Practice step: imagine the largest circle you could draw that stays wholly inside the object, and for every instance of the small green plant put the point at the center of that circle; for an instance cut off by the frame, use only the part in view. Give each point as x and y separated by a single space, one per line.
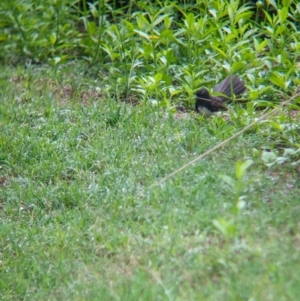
238 185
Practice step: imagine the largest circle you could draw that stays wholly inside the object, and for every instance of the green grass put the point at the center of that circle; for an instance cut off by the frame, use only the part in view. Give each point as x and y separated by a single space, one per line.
82 216
79 220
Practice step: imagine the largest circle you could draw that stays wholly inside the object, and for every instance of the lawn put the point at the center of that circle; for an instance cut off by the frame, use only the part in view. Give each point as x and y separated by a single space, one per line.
97 110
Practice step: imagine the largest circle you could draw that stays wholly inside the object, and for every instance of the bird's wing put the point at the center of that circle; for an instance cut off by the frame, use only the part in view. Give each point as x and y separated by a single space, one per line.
230 85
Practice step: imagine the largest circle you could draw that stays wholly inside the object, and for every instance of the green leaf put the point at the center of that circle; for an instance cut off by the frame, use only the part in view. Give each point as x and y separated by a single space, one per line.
250 107
213 12
245 16
159 20
158 77
190 20
170 56
167 33
52 38
91 28
167 79
241 167
220 51
174 91
278 80
276 125
142 34
142 22
283 13
167 21
286 3
280 29
260 46
290 152
236 66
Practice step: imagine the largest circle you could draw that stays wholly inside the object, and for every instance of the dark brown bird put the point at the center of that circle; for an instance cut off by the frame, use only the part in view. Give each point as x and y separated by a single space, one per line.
207 104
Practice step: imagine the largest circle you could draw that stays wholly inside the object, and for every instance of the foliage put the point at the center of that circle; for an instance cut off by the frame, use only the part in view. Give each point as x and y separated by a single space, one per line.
147 49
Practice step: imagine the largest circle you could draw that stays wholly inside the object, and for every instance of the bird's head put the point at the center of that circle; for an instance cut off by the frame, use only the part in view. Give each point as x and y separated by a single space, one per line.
202 99
202 94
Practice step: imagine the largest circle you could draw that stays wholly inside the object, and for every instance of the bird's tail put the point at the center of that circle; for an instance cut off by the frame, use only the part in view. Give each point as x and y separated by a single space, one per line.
231 85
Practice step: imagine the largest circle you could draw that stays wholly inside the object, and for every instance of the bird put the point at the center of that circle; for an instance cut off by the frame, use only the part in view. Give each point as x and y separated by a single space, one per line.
207 104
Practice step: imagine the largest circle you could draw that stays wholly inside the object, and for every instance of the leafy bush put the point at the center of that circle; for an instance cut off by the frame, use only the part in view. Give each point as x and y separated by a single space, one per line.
167 47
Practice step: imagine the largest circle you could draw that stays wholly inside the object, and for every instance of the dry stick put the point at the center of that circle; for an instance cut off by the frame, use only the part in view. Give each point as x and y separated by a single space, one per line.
225 141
